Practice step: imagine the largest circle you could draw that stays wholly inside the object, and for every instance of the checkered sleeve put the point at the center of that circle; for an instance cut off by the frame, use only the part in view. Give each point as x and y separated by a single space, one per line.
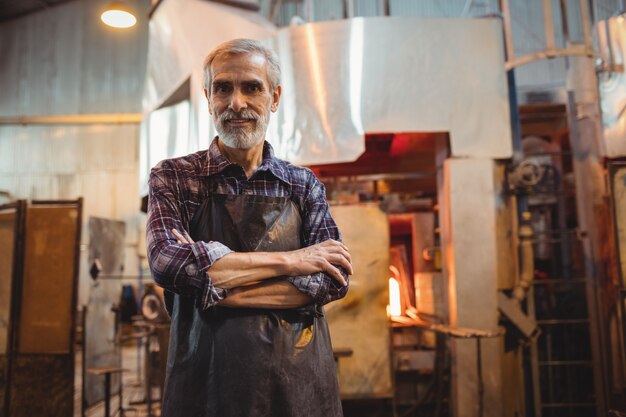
180 268
318 226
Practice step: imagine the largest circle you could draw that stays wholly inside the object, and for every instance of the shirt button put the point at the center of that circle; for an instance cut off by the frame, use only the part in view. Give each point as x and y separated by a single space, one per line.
191 270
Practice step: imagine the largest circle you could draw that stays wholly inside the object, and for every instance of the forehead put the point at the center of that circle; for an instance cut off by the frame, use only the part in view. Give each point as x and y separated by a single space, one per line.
239 66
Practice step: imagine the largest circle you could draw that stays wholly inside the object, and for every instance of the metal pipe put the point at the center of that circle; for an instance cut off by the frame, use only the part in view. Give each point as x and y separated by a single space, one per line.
457 332
107 394
527 264
609 46
308 10
148 367
350 8
508 32
548 25
534 358
385 7
274 10
481 383
16 294
584 13
577 50
83 368
565 23
509 54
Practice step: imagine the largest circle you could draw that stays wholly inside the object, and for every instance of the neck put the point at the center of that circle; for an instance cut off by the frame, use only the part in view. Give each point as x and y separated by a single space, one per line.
248 159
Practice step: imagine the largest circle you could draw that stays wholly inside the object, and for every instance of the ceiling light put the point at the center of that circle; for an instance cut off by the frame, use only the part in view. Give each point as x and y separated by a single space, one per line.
118 15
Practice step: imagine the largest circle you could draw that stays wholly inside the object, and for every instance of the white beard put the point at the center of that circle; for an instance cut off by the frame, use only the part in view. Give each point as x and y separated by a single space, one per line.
243 137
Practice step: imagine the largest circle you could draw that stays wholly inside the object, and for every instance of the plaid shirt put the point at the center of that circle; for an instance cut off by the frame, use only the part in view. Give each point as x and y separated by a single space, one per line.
178 187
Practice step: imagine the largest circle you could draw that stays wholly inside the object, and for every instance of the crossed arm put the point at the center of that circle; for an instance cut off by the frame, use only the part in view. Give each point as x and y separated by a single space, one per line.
214 274
250 277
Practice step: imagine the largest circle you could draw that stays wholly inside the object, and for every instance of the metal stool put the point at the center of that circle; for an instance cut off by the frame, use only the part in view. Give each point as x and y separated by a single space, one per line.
107 372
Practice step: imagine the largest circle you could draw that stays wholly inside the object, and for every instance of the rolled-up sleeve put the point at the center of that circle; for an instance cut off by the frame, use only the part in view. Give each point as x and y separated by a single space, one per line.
319 226
180 268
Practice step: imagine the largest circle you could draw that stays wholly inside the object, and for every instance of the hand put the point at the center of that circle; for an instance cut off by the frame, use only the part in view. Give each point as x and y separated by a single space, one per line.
182 238
322 257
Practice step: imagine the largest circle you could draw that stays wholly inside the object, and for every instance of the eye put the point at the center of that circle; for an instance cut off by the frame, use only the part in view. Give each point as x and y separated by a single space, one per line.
221 88
252 88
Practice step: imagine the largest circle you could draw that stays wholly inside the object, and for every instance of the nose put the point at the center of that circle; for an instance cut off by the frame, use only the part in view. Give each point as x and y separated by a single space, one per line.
237 101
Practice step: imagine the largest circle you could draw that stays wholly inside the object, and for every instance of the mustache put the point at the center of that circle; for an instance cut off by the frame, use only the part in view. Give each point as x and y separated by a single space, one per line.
244 114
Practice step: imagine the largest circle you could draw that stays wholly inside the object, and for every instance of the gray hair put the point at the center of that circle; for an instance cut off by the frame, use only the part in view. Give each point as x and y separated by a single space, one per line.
244 46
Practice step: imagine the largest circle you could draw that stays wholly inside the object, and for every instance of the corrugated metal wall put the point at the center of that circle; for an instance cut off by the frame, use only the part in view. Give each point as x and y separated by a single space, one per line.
442 8
64 61
527 23
332 9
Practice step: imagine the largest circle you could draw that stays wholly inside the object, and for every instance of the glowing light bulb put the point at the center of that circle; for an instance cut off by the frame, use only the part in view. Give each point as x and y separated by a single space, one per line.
118 18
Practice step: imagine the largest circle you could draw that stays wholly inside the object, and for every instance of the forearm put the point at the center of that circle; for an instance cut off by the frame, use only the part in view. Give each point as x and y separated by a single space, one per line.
275 293
245 268
239 269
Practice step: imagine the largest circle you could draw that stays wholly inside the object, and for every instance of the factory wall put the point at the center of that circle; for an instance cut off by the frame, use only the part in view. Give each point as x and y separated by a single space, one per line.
63 61
526 20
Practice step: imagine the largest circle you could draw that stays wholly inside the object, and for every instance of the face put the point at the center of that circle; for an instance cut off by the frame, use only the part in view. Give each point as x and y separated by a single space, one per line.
241 99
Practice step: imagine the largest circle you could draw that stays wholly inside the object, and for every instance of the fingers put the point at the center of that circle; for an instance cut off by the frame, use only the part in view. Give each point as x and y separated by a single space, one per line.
178 236
338 243
342 261
347 255
189 239
335 273
338 254
182 238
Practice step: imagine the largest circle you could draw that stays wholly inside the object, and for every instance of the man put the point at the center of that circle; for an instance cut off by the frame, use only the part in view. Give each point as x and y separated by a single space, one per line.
248 254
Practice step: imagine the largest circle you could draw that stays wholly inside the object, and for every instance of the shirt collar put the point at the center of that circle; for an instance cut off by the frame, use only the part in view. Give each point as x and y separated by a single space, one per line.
217 162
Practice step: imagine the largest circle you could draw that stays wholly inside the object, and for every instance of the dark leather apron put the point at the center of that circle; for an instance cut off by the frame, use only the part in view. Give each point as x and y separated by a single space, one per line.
226 362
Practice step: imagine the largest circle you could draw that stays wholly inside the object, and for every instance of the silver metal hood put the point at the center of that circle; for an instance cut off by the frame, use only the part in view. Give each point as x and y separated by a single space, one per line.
345 78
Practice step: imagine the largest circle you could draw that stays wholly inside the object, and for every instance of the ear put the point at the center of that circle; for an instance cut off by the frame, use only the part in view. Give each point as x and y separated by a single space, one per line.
208 97
276 98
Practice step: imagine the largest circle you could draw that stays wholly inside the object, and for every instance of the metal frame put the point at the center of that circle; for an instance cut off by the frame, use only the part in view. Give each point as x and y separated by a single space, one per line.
534 356
551 51
613 168
18 264
21 207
